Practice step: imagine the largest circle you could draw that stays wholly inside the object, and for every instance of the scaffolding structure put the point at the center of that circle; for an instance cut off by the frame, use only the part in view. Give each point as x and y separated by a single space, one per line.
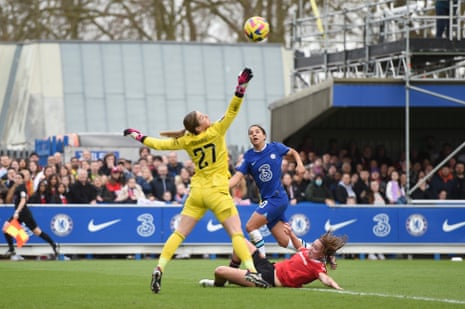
379 40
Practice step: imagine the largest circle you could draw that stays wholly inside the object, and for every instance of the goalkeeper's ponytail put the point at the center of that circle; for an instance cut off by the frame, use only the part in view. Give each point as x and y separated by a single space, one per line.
173 134
190 124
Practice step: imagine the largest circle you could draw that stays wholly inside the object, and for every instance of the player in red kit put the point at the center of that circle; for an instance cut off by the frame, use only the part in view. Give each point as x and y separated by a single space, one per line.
305 266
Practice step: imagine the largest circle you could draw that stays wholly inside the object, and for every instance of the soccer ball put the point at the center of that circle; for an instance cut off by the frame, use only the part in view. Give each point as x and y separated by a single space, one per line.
256 29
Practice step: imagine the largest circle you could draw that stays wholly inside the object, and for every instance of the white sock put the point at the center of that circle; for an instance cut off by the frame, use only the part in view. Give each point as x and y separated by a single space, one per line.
257 239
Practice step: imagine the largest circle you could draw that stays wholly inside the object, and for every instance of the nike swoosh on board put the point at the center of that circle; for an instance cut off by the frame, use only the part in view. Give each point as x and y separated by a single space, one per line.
213 227
446 227
98 227
337 226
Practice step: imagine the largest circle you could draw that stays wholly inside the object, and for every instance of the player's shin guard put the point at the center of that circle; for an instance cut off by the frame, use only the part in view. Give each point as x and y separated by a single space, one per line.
170 247
242 251
257 239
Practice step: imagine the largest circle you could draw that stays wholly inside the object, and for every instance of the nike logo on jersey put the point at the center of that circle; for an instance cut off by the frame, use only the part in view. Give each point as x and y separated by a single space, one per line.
98 227
446 227
337 226
211 227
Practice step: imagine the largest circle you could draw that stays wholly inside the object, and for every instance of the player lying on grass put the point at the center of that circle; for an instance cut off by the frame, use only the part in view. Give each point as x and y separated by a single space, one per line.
301 268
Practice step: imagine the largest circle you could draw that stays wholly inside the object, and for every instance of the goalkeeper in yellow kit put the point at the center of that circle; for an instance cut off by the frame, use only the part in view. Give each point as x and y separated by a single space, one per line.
205 143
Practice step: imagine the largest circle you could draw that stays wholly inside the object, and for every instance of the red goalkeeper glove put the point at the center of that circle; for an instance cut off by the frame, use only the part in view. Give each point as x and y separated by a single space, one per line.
242 81
135 134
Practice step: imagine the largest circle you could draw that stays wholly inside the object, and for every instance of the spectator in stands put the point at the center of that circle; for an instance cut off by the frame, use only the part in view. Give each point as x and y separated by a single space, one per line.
174 166
125 167
130 193
290 189
167 197
3 193
375 176
318 192
109 162
344 189
144 151
183 178
67 180
423 192
154 164
442 195
346 167
443 180
332 178
85 165
284 166
443 15
82 191
209 188
74 166
4 164
299 184
136 171
189 166
103 195
86 155
163 182
181 194
34 157
40 195
22 163
147 183
61 197
375 197
9 179
362 186
264 162
43 174
34 169
93 171
15 164
52 186
458 192
51 161
115 182
395 193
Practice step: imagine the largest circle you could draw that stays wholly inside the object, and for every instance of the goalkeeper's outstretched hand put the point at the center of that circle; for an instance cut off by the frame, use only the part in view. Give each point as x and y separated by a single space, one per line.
242 81
135 134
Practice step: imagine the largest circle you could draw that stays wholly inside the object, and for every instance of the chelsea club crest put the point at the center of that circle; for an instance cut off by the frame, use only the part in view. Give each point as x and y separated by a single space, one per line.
416 225
300 224
61 225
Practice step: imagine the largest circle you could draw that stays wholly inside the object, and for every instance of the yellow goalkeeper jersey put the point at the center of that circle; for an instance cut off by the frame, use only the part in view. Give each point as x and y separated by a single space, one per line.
208 150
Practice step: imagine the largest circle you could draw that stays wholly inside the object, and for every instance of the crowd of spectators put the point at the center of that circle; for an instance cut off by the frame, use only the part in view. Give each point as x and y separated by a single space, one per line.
337 176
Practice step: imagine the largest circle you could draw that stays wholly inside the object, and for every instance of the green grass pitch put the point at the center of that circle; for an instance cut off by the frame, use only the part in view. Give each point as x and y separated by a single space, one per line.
125 284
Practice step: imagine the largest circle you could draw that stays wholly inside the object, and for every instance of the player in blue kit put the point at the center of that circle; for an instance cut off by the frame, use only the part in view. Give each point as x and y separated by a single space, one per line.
263 163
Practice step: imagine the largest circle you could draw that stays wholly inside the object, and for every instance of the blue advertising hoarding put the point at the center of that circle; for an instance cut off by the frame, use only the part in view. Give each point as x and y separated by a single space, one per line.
131 224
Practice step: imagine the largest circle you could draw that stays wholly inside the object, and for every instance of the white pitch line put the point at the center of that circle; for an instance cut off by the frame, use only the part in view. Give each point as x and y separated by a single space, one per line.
430 299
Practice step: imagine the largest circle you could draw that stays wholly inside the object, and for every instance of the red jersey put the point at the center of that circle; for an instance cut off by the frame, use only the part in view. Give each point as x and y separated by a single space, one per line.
299 269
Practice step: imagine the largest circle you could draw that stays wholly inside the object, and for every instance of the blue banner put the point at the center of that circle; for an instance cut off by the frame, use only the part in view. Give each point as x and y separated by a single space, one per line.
123 224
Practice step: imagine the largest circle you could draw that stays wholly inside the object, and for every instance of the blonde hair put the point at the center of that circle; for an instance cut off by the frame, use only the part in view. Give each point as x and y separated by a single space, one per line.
190 124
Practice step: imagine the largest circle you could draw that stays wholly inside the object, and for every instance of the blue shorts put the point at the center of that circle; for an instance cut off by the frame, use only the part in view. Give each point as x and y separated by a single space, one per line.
273 209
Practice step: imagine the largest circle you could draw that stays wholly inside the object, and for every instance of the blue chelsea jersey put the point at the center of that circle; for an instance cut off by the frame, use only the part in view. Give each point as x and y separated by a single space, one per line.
265 168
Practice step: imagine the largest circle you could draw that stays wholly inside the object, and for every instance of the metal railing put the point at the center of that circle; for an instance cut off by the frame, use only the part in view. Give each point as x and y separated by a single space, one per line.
372 23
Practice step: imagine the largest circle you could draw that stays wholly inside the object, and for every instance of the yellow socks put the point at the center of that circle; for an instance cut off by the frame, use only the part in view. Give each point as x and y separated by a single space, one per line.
242 251
170 247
